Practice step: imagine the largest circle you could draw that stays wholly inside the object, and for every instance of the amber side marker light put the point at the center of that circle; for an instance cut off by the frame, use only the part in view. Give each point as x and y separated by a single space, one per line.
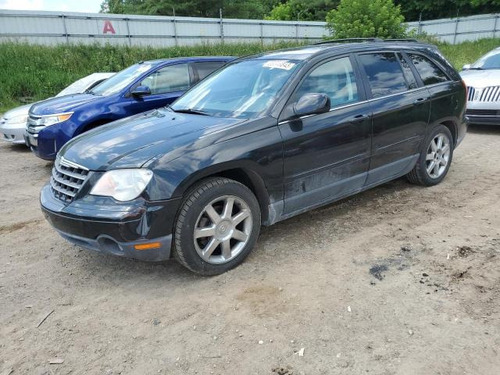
147 246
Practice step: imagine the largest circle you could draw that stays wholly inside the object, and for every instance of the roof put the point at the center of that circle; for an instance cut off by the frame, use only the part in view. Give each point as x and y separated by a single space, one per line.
339 45
188 59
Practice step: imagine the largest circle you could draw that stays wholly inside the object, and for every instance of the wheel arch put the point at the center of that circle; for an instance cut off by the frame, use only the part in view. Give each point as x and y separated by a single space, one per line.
244 175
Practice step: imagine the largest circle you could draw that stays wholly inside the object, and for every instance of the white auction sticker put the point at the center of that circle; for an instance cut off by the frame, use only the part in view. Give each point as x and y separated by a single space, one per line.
279 64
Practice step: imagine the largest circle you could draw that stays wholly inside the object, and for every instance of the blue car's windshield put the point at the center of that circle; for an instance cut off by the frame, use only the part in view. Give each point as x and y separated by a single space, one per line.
120 80
489 61
242 90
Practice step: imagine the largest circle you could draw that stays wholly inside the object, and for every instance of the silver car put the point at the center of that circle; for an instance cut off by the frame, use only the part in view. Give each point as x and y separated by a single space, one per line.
13 122
483 83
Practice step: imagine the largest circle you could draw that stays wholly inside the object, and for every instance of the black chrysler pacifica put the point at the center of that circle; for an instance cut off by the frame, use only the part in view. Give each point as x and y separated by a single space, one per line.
263 139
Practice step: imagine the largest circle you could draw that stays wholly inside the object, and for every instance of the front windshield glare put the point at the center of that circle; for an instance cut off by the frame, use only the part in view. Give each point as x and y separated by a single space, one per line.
242 90
489 61
120 80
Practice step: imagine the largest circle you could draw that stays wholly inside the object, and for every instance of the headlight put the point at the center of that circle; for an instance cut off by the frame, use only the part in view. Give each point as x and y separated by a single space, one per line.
21 119
122 184
55 119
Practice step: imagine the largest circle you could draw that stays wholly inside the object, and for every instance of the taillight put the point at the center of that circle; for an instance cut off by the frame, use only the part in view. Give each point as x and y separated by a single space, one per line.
466 90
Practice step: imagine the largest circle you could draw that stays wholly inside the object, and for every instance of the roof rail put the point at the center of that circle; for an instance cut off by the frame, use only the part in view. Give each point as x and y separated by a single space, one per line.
367 40
350 40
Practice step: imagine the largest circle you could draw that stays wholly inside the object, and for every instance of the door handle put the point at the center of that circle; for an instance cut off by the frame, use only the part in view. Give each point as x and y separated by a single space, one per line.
420 101
358 118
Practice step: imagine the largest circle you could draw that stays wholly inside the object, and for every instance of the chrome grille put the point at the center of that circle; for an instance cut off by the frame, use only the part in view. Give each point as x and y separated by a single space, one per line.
67 179
488 94
34 124
471 91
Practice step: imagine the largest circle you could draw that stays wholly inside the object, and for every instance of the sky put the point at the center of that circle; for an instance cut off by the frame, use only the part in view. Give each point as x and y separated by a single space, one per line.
86 6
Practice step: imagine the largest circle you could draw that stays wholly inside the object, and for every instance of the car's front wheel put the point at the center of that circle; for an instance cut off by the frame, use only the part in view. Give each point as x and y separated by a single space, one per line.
435 158
217 226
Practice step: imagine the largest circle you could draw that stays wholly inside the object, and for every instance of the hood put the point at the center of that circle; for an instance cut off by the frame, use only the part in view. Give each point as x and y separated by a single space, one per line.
18 111
62 104
131 142
481 78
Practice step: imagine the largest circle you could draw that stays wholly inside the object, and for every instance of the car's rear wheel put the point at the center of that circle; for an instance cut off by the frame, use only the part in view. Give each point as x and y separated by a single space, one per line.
217 226
435 158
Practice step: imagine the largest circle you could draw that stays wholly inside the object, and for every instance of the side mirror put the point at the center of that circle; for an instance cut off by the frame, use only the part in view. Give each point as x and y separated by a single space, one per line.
466 67
141 91
312 104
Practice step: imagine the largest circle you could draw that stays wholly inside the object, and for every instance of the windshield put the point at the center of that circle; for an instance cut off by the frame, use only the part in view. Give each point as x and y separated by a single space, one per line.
242 90
76 87
489 61
120 80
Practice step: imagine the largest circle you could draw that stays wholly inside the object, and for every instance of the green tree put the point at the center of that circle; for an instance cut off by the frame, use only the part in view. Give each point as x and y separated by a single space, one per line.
191 8
433 9
300 10
366 18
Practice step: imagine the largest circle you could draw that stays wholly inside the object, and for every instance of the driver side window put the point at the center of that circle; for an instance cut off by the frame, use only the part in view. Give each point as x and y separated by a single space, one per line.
334 78
168 79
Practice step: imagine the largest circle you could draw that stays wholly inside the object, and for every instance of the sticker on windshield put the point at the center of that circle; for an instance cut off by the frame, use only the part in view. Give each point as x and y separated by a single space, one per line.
279 64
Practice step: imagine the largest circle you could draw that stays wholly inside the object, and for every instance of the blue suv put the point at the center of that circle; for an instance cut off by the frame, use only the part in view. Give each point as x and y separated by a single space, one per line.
138 88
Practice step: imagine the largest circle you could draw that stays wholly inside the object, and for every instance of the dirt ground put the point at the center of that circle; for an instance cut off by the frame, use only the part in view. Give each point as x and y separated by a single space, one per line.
396 280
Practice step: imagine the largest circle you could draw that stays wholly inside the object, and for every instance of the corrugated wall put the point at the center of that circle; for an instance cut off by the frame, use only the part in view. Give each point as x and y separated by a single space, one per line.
53 28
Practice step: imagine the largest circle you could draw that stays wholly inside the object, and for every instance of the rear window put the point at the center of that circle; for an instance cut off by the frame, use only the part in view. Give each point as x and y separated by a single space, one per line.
203 69
429 72
384 73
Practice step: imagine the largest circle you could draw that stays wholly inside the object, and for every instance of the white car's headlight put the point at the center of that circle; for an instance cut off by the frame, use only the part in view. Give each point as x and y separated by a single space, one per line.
21 119
55 119
122 184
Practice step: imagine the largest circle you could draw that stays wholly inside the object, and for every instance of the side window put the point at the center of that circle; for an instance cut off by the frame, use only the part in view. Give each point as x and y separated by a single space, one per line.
335 79
168 79
429 72
203 69
410 78
384 73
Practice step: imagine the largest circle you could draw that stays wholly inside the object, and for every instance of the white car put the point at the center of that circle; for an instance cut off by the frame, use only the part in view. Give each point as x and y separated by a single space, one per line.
13 122
483 85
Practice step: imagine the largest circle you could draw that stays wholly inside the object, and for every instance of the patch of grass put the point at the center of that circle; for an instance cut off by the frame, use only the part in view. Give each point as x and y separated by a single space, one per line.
31 72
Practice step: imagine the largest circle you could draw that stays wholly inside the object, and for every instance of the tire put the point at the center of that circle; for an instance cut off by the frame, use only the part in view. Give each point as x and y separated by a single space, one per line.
435 158
211 234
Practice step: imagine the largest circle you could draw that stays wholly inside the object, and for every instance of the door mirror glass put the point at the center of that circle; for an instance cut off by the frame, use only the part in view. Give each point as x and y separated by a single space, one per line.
141 91
312 103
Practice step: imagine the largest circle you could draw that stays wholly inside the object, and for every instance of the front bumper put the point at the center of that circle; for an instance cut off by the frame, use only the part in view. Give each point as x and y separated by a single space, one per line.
13 133
113 232
483 117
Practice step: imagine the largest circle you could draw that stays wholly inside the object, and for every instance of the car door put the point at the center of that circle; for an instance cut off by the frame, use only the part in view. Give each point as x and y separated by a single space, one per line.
326 156
400 114
166 85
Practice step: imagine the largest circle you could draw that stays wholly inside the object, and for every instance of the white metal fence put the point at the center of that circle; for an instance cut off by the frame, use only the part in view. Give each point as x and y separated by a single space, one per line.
456 30
158 31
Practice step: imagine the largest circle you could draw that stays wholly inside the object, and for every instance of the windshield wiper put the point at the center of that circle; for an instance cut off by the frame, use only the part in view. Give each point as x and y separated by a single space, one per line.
191 111
476 68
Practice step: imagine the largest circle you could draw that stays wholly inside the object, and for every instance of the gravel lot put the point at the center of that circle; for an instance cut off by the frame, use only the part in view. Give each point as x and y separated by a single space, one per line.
396 280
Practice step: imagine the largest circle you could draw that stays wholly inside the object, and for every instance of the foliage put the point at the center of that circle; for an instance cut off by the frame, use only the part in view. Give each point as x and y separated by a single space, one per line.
300 10
366 18
434 9
192 8
38 72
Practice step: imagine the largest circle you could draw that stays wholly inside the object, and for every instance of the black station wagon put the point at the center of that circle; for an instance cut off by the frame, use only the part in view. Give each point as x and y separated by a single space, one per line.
263 139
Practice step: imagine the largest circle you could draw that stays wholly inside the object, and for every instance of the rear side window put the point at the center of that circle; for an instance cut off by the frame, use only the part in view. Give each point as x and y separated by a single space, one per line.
429 72
384 73
203 69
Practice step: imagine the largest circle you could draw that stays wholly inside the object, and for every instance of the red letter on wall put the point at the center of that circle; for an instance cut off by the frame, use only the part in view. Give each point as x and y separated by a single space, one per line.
108 28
